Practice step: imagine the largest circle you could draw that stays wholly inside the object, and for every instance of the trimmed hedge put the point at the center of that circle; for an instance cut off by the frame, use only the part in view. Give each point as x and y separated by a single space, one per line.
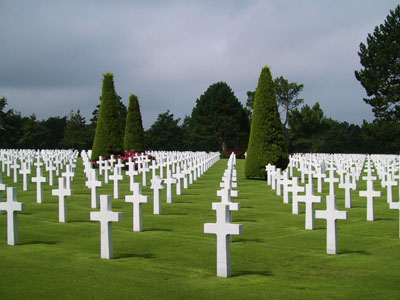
267 140
134 133
108 136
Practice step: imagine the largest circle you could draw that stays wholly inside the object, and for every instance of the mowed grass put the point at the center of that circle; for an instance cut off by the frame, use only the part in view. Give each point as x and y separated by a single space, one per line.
275 258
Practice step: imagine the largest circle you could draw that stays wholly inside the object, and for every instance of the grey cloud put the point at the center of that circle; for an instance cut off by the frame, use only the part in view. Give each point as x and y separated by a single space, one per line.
53 54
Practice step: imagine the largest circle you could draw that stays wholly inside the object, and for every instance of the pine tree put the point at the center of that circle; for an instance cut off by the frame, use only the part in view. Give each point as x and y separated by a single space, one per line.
267 141
134 133
219 121
380 75
108 137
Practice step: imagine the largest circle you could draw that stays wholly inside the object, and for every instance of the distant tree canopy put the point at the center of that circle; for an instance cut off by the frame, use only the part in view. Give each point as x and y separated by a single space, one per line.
164 134
76 136
380 75
218 120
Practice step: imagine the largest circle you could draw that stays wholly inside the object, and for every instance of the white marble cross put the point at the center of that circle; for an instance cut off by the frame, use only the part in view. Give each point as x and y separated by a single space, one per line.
153 168
331 180
50 169
39 179
137 199
105 216
389 183
270 170
396 205
11 206
145 169
116 177
68 175
319 175
347 185
295 189
223 228
179 176
131 173
169 181
15 166
119 166
2 185
62 192
292 188
106 168
278 178
100 164
286 183
370 193
156 186
93 183
25 171
309 199
331 215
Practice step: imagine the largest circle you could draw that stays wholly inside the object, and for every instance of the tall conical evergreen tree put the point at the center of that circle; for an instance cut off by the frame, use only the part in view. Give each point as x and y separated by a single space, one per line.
267 140
108 136
134 133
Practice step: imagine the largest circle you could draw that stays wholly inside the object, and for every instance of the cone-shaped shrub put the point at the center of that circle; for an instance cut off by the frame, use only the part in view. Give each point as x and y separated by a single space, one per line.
134 133
267 140
108 136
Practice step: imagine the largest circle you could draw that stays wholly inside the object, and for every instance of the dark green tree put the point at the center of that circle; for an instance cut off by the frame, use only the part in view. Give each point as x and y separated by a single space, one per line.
250 102
108 137
267 141
307 127
287 95
380 75
382 136
34 134
219 120
164 134
55 127
76 132
134 133
11 124
122 111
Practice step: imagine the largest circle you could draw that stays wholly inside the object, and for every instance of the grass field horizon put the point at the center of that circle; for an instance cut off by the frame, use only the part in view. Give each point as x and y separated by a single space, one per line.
173 259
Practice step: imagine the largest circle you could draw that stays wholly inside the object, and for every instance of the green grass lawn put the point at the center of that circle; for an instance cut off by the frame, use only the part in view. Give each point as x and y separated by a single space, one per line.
173 259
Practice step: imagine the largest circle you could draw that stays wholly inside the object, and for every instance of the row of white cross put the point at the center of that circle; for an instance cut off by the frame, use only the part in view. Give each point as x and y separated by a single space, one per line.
349 168
11 206
224 228
105 216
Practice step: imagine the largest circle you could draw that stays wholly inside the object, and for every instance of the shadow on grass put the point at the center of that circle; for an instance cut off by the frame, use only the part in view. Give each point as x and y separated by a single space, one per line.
245 220
184 201
242 240
40 242
244 206
157 229
384 219
126 255
354 252
247 272
79 221
176 214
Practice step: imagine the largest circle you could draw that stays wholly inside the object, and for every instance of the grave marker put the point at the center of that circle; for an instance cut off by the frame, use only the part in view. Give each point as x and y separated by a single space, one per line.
11 206
331 215
137 199
105 216
222 229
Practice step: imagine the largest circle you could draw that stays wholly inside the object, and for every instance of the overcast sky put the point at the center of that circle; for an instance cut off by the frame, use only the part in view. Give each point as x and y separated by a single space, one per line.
53 54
